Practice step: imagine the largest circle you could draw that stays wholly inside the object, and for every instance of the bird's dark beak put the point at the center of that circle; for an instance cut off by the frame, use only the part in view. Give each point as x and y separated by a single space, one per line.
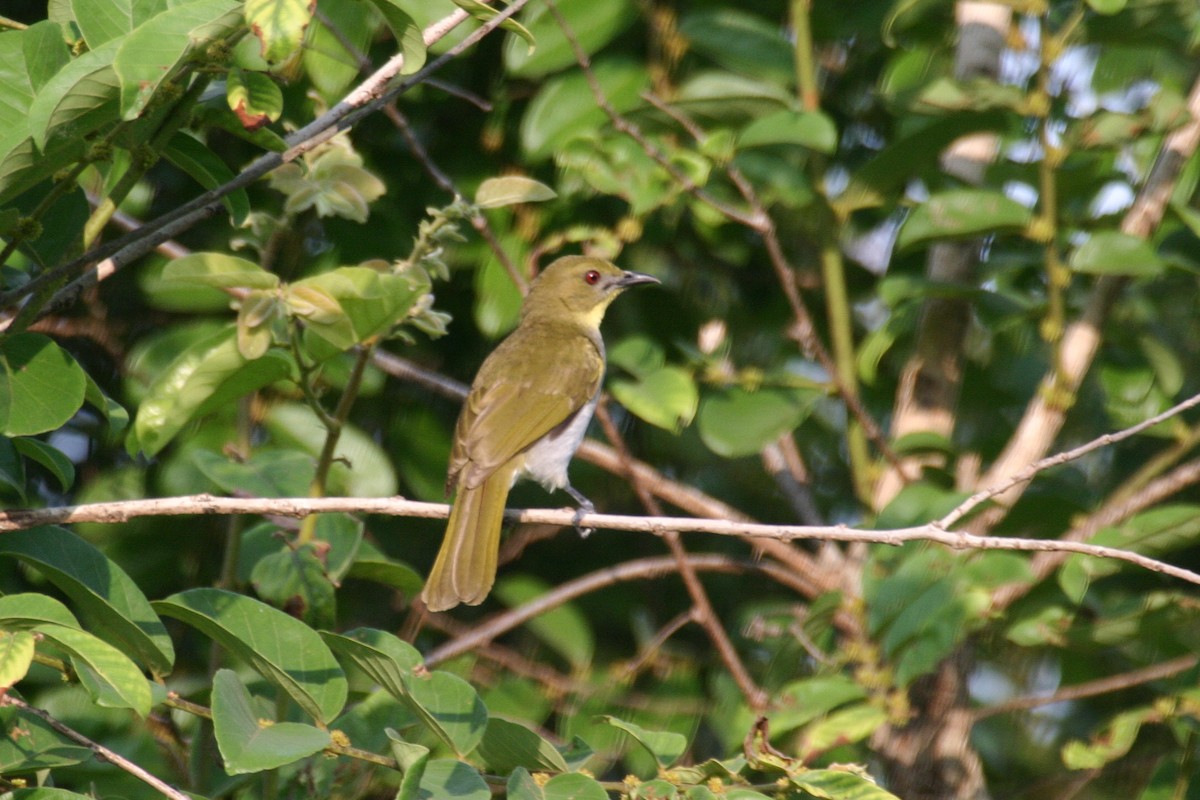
634 278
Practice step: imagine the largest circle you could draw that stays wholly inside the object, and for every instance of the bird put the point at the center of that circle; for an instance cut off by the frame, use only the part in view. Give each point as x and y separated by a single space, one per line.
525 415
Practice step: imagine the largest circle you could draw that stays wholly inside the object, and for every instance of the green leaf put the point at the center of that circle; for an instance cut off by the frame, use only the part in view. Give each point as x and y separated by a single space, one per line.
510 190
207 375
664 746
294 579
564 629
16 656
375 566
219 270
962 213
363 469
279 25
407 33
845 726
840 784
741 42
155 51
107 597
254 97
250 744
373 303
81 98
811 129
29 609
207 169
447 778
1111 743
279 647
592 24
412 758
334 42
41 386
1107 6
267 473
1116 253
30 745
666 397
483 13
564 107
460 715
49 457
507 745
574 786
108 675
735 422
800 702
877 182
100 22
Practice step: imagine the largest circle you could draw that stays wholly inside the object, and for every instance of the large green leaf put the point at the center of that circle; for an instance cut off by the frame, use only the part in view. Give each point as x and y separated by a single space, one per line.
249 744
16 655
80 98
101 21
155 51
109 676
447 778
592 24
839 784
407 32
29 609
219 270
279 25
207 375
333 45
107 597
507 745
564 107
207 169
736 422
666 397
962 213
280 647
41 386
812 129
877 182
446 704
372 302
740 41
666 747
1116 253
363 468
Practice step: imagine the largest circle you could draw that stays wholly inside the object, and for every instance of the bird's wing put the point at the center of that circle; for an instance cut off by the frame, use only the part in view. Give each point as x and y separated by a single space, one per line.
505 414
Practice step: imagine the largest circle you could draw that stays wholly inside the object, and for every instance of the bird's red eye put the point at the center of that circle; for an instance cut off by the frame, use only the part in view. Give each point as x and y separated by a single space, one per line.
591 276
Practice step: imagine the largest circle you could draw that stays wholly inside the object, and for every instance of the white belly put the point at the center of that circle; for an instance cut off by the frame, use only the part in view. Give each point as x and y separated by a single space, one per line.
546 462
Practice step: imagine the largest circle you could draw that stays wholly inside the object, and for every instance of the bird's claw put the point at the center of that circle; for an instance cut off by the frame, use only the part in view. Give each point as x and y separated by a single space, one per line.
584 509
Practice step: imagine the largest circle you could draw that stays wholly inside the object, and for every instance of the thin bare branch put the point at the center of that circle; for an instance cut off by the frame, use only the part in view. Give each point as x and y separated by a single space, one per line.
1112 683
100 751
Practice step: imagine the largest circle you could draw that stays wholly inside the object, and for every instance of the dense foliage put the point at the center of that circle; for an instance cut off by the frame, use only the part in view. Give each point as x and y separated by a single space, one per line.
908 249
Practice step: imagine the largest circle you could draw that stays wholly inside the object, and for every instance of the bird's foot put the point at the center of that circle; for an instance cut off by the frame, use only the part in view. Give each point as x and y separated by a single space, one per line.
585 507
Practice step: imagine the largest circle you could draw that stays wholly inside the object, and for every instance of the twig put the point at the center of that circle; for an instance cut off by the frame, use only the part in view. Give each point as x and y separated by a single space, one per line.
1099 686
98 750
1025 475
638 569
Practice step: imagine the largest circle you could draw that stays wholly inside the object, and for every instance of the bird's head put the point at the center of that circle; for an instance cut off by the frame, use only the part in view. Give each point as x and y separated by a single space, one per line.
579 288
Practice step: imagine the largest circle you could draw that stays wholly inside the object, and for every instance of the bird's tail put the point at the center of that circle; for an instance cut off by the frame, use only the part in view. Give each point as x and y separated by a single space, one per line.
465 568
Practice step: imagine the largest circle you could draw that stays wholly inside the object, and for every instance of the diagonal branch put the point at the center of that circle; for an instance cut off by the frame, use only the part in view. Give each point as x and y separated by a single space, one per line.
100 751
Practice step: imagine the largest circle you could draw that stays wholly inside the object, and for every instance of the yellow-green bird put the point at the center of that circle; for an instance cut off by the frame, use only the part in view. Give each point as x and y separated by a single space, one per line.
525 415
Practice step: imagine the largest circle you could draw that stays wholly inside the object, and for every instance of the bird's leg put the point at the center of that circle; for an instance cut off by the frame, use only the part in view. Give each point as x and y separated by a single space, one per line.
585 507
